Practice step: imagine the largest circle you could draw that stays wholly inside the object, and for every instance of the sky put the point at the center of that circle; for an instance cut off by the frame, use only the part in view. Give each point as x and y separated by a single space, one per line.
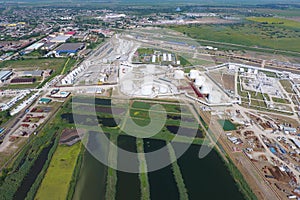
180 1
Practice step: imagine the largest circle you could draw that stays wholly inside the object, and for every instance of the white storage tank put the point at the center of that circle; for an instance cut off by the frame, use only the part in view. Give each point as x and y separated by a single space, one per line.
179 74
214 97
127 86
164 57
206 89
169 57
163 89
193 74
153 58
231 66
147 90
199 81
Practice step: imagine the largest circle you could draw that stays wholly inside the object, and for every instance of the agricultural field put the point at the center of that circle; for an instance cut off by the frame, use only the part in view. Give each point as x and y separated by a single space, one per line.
59 174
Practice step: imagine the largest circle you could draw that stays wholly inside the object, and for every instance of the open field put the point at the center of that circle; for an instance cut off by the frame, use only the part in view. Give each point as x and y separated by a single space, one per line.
59 173
248 34
21 86
32 64
286 84
280 22
288 12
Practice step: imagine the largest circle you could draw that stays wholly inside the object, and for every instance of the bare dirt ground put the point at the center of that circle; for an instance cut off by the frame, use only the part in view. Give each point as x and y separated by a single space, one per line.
228 82
13 148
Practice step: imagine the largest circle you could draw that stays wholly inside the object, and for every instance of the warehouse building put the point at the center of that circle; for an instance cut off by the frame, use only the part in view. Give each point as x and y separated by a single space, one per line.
32 73
69 48
34 46
22 81
60 39
4 75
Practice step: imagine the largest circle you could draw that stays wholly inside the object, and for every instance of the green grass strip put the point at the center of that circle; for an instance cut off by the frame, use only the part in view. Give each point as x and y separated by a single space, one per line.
145 187
183 194
111 181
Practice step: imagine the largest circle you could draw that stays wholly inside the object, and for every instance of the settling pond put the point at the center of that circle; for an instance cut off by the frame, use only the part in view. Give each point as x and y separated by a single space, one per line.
206 178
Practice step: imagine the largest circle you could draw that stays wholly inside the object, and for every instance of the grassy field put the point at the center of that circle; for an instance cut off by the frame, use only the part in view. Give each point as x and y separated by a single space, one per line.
32 64
145 51
4 116
279 100
288 12
68 66
251 34
20 86
286 84
58 65
55 185
281 22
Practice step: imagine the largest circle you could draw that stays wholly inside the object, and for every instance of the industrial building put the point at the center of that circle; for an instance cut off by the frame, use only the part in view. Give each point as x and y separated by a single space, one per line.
69 48
34 46
49 46
61 94
22 81
4 75
32 73
45 101
60 39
